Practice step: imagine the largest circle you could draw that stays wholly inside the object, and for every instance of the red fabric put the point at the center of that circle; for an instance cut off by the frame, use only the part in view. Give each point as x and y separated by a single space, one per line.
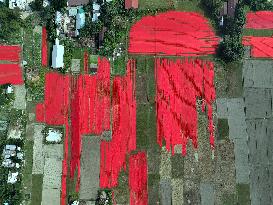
40 112
178 84
138 179
261 47
54 111
44 47
173 33
10 74
113 153
90 109
259 20
10 53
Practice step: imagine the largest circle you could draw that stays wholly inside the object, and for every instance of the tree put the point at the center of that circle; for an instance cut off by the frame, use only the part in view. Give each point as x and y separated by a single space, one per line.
240 15
257 5
10 23
36 5
231 48
58 4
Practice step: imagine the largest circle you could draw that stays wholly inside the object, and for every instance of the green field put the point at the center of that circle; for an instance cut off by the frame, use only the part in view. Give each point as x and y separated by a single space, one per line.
255 32
156 4
37 186
27 171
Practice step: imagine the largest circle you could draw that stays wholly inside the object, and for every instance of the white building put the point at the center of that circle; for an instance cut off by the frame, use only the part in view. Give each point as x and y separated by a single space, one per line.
57 55
21 4
54 136
12 177
96 12
80 19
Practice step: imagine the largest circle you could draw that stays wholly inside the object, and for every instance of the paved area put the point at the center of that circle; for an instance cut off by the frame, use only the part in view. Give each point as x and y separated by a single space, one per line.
38 155
19 97
75 65
258 89
52 174
207 193
90 167
258 73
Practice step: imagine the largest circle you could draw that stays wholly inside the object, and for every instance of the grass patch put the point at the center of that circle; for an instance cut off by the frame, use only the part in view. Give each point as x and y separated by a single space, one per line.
229 199
256 32
153 188
186 5
156 4
122 190
27 171
119 66
223 129
37 186
177 161
234 79
243 193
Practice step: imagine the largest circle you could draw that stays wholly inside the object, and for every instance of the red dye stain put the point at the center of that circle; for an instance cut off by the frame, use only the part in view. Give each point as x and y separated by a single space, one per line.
261 47
90 109
44 47
138 179
10 53
173 33
113 153
87 97
178 85
259 20
10 74
85 62
54 111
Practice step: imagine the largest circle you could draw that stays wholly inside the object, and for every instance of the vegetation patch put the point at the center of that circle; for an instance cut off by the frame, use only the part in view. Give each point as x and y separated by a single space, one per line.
243 192
37 186
177 161
223 129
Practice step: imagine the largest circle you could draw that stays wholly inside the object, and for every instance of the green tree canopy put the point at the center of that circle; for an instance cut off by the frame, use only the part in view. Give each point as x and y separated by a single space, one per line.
10 23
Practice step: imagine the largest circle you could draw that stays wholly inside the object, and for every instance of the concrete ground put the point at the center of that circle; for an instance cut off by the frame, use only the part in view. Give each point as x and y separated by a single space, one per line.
90 167
19 97
38 155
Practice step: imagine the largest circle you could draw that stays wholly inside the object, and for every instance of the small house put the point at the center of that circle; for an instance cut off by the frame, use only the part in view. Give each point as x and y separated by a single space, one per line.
131 4
96 12
21 4
58 18
54 136
229 8
80 19
57 55
72 11
12 177
76 3
46 3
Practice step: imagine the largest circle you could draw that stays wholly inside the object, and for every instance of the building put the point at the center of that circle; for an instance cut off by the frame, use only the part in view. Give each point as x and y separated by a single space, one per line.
80 19
131 4
75 3
58 18
21 4
54 135
96 12
57 55
12 177
229 8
